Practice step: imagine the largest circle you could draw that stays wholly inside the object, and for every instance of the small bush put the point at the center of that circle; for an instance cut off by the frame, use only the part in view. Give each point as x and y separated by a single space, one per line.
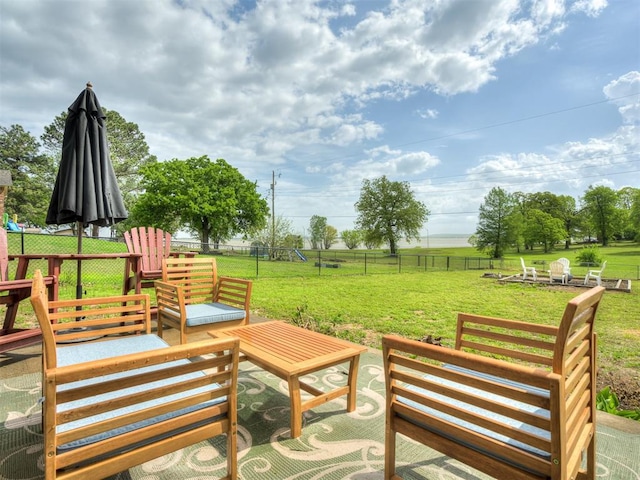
590 254
607 401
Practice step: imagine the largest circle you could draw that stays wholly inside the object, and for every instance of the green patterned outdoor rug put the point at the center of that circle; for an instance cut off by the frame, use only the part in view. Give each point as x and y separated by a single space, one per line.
334 444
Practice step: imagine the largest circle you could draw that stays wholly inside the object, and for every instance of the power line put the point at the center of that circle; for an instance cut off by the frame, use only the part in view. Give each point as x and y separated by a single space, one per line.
490 126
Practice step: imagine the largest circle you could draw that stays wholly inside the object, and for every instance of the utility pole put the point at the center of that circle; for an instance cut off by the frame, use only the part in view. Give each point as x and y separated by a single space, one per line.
273 213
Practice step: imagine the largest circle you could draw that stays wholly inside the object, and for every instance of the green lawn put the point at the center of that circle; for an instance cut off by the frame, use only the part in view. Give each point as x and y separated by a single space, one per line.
419 301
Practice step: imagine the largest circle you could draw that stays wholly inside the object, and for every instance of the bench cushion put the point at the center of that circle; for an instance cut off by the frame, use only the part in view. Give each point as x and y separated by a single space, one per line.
206 313
498 399
80 353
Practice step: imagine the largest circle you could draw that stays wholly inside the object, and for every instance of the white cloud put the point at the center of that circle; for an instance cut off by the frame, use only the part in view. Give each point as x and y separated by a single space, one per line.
625 92
593 8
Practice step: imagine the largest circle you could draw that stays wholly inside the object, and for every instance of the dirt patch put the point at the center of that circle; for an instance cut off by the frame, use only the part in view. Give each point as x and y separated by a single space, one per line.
625 383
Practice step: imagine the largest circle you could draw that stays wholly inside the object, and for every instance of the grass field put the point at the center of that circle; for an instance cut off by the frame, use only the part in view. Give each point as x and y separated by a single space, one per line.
413 295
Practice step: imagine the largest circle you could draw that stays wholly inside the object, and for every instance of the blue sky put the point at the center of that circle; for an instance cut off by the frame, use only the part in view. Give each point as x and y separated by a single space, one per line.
454 96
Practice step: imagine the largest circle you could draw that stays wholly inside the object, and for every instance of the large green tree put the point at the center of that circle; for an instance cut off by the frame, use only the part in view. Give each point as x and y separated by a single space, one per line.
31 175
211 198
493 233
128 149
601 209
562 207
388 211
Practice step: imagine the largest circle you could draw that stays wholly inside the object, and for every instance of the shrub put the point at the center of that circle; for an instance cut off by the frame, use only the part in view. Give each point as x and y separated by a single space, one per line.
590 254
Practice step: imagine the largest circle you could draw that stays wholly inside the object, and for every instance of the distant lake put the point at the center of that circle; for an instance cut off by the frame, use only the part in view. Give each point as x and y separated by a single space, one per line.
441 240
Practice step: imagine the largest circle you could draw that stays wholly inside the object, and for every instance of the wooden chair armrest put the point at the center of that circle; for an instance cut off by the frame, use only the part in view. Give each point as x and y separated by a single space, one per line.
169 296
182 254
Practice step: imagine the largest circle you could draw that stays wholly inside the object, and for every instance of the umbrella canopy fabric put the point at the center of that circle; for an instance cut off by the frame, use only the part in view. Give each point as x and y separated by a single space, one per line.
86 190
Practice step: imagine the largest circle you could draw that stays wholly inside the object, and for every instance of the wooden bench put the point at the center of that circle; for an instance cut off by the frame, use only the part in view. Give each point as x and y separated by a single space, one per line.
12 293
515 400
128 398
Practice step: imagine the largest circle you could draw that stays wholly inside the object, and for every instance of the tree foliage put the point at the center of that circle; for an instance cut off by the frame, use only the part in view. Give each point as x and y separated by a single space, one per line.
211 198
544 229
278 237
317 227
330 235
388 211
352 238
493 232
600 206
31 176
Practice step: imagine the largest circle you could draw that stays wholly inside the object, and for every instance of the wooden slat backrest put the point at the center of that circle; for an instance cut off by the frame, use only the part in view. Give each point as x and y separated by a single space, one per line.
526 342
54 316
152 243
197 276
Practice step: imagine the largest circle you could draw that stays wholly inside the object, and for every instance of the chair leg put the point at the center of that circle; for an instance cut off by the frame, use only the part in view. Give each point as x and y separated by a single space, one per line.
389 454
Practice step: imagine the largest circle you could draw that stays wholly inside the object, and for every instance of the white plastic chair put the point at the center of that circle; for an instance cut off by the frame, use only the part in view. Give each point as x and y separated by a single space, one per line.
595 274
565 262
557 272
528 270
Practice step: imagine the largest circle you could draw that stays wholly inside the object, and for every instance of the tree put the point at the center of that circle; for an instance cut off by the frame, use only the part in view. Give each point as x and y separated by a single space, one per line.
128 150
212 199
388 211
626 197
634 214
278 237
493 233
31 176
600 205
330 235
542 228
562 207
351 238
317 228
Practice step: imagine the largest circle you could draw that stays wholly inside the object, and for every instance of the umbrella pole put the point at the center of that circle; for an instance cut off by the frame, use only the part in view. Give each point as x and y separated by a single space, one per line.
79 271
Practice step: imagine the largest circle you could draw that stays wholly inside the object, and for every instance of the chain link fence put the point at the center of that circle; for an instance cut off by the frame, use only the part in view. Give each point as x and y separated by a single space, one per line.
106 276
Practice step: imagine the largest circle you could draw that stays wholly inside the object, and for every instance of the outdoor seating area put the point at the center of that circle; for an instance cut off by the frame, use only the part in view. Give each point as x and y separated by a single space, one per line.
559 273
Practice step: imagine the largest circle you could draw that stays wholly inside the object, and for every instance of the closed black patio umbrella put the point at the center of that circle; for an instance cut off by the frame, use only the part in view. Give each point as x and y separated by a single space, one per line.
86 191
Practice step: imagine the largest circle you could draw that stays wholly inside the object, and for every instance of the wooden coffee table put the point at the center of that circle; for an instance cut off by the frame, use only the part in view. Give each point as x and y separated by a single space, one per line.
291 352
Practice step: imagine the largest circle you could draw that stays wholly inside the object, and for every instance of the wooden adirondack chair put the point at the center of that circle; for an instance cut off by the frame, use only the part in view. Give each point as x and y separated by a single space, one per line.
154 245
12 292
